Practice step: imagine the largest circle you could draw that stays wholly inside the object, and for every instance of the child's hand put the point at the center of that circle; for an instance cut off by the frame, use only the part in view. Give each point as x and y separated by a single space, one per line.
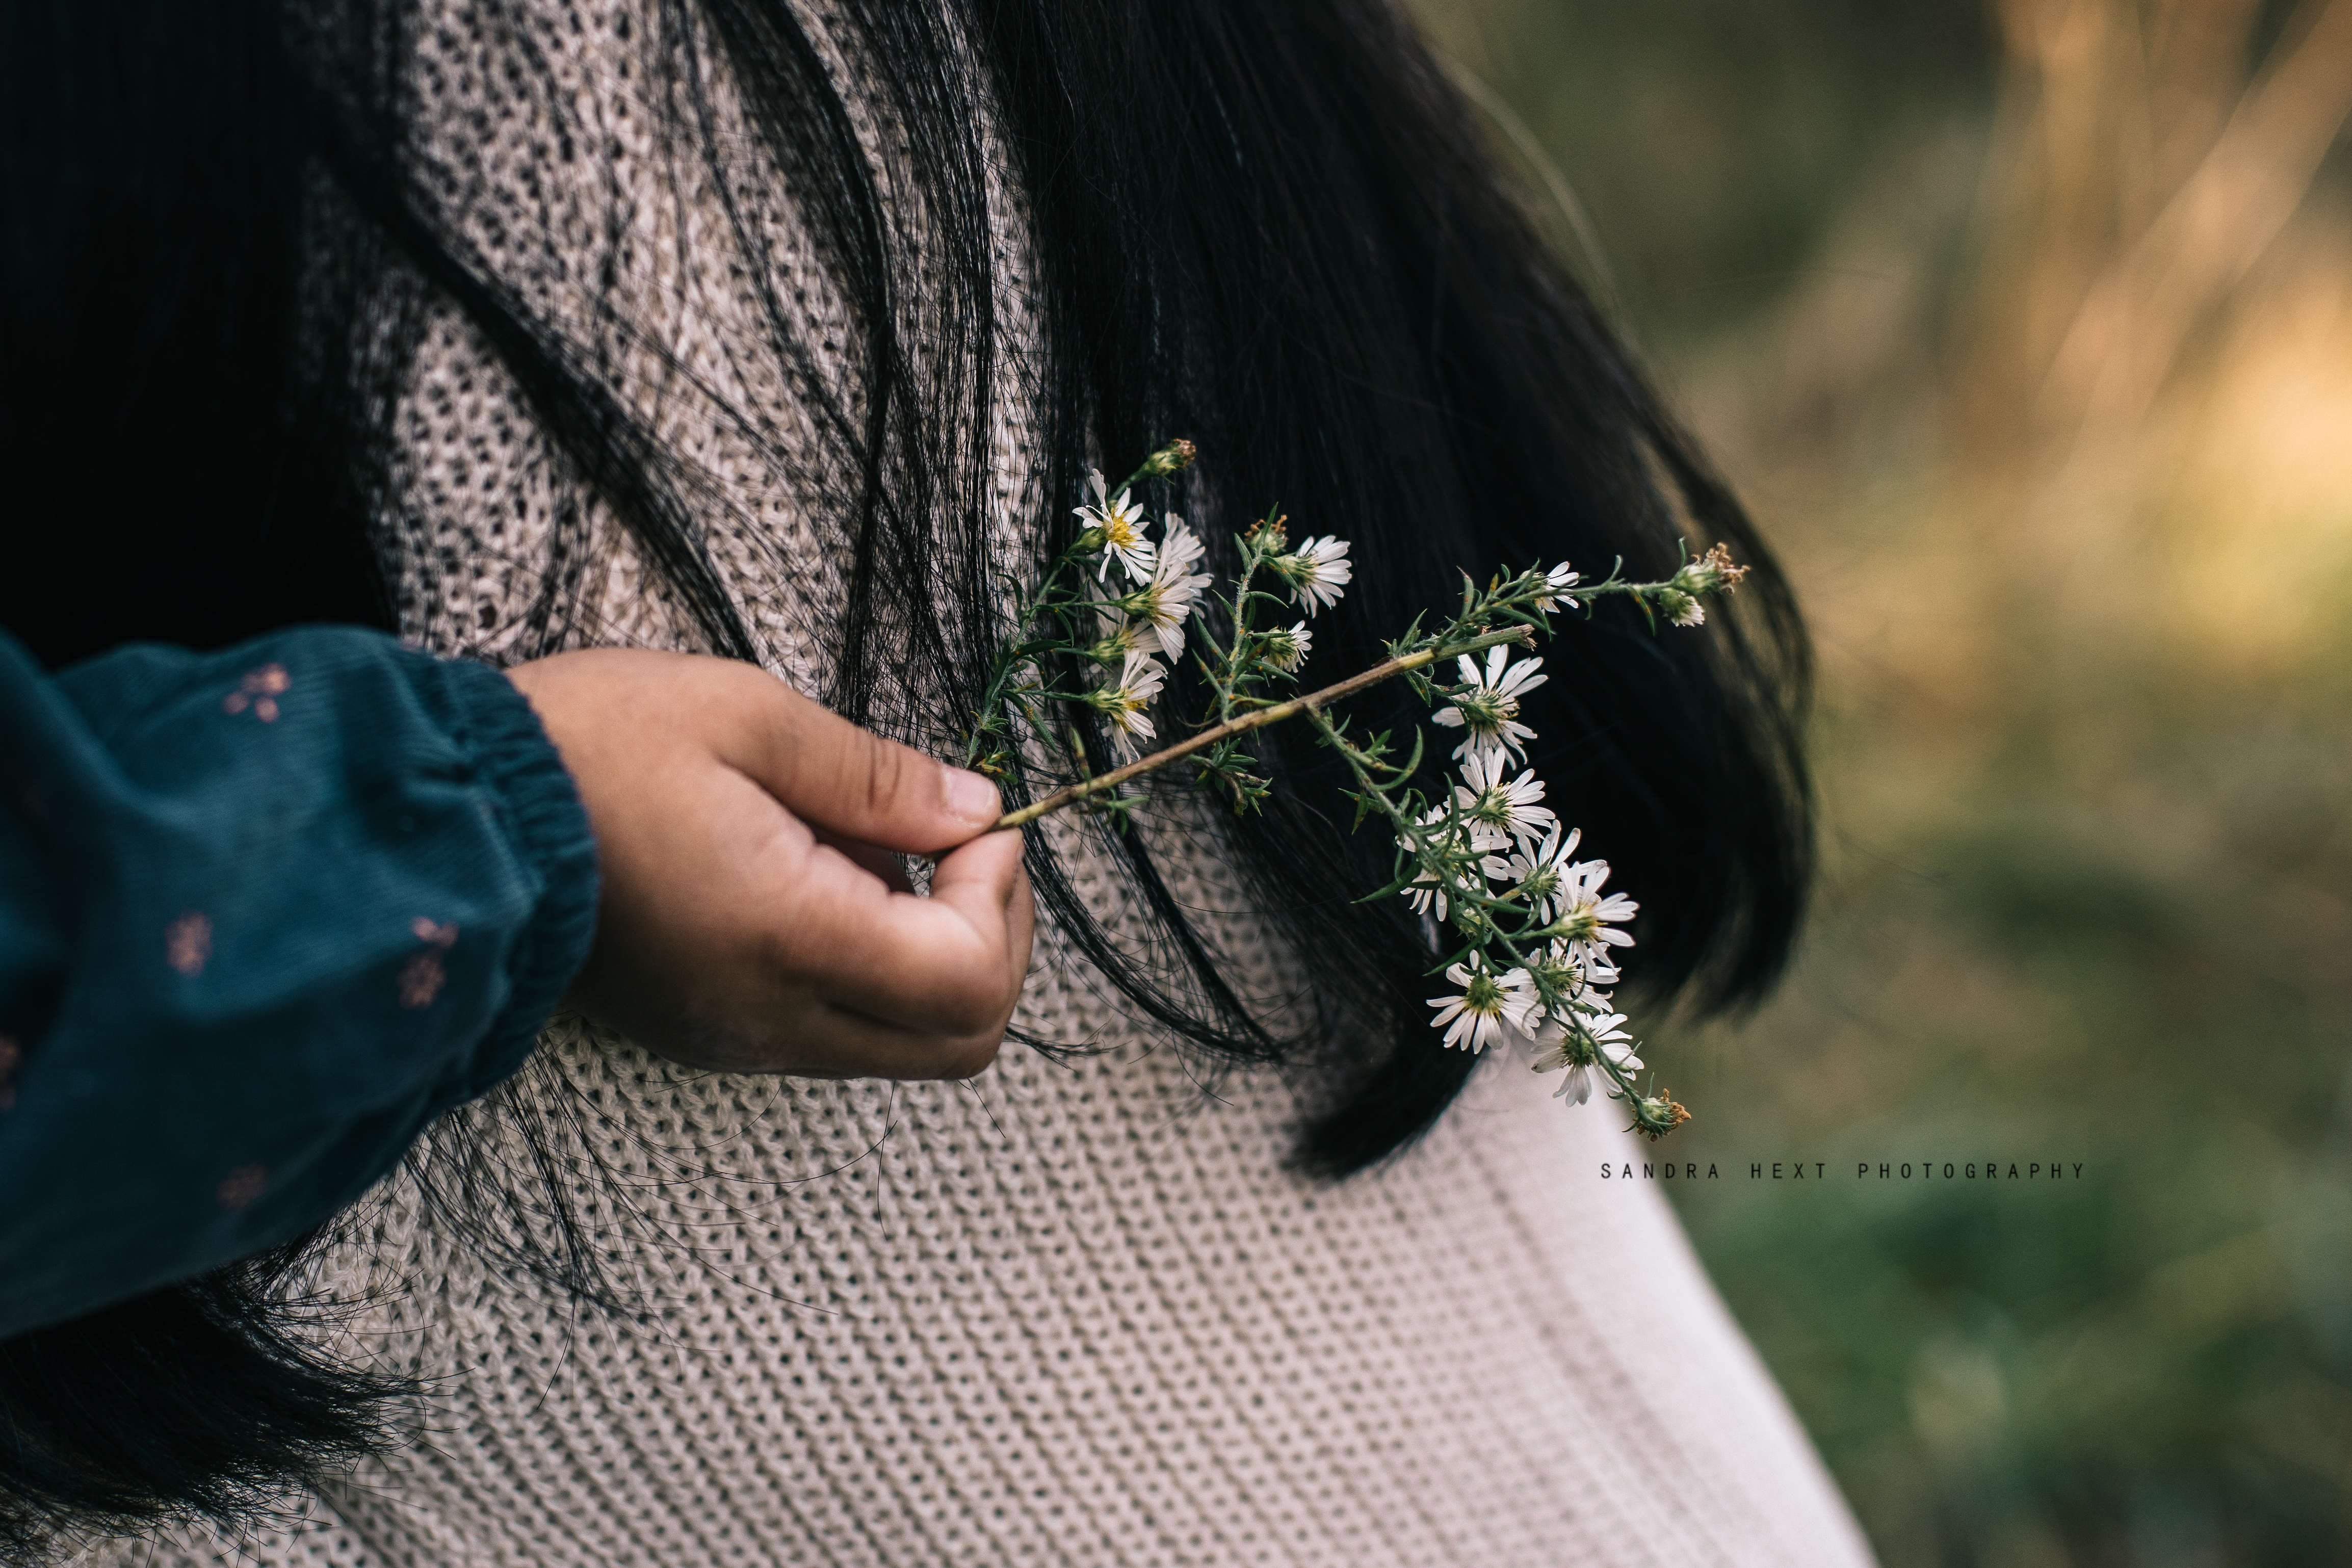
753 919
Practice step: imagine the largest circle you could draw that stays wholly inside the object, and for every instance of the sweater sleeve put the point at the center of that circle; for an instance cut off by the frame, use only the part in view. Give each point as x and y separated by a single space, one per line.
264 914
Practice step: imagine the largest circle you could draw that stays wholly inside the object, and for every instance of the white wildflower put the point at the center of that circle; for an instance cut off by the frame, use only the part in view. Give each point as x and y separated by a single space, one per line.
1287 649
1573 974
1488 1008
1120 524
1579 1043
1123 704
1120 639
1541 873
1486 704
1587 921
1679 607
1182 543
1572 986
1557 582
1426 892
1492 800
1316 571
1167 598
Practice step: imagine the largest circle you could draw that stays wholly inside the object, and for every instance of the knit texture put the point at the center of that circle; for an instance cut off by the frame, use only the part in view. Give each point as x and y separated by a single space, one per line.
1062 1313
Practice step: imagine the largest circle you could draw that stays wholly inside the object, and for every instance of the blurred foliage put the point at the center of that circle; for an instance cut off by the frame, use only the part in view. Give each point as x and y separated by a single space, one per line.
2028 332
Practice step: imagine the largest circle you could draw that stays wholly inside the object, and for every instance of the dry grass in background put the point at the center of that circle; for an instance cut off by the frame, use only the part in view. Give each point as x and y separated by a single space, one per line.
2028 335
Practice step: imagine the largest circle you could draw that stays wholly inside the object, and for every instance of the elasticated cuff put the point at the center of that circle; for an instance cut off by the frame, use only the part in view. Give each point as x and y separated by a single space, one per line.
548 828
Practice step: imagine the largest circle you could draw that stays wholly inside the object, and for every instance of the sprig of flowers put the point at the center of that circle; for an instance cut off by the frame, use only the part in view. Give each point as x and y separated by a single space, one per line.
1125 626
1535 940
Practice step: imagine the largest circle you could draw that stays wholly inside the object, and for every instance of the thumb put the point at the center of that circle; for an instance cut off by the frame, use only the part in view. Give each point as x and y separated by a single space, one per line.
831 773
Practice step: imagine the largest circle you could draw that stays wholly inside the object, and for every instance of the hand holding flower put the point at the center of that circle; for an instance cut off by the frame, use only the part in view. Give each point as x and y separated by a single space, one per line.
754 916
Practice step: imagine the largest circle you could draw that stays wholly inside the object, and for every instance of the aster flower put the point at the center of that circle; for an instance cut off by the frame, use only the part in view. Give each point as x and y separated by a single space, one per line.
1119 521
1488 1008
1287 649
1316 571
1542 873
1478 834
1586 919
1164 601
1121 639
1426 894
1679 608
1491 799
1123 704
1557 582
1427 891
1570 973
1486 704
1558 970
1579 1043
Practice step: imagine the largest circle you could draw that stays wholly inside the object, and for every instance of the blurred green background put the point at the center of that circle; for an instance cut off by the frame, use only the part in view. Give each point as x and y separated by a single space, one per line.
2027 331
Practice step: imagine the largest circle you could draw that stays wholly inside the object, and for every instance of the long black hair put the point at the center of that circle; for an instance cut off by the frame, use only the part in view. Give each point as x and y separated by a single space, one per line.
1275 228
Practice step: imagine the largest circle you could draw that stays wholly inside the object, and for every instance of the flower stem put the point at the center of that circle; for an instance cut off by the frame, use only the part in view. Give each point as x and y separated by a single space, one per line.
1257 718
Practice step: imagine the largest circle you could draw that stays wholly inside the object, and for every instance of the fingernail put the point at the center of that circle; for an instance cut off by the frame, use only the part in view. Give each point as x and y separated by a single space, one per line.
970 796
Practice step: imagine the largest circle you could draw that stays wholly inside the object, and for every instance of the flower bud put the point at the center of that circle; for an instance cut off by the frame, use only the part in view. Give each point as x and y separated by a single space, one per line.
1657 1115
1175 456
1286 648
1268 538
1712 573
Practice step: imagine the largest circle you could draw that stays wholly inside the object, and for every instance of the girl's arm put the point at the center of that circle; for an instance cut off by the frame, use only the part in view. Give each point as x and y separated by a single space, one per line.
265 913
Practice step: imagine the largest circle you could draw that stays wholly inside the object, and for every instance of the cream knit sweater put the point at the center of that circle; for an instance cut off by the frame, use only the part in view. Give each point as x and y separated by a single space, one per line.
1061 1314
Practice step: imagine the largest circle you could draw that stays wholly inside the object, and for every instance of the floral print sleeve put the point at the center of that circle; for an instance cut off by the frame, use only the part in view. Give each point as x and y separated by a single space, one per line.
264 914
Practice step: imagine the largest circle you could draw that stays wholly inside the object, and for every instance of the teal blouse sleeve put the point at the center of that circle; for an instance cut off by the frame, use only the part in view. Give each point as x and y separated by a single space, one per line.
264 914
